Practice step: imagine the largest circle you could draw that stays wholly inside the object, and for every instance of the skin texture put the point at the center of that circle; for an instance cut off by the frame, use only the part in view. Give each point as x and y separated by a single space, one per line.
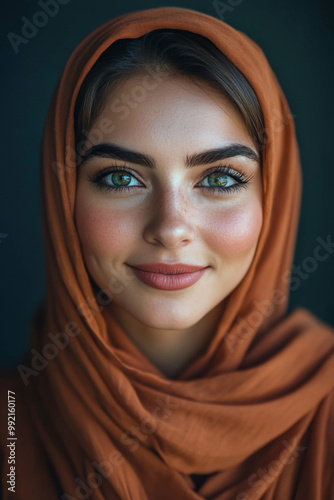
166 216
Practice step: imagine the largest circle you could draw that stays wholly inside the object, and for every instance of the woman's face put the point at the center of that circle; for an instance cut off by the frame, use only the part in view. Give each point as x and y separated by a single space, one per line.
155 193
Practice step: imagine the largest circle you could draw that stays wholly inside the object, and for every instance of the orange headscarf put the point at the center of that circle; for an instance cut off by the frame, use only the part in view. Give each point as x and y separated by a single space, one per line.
96 419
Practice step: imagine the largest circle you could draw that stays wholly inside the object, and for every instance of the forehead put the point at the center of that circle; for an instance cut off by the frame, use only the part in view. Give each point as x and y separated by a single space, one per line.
172 116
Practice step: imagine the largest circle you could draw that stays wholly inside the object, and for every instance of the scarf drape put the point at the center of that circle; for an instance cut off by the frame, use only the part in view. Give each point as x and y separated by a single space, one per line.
253 412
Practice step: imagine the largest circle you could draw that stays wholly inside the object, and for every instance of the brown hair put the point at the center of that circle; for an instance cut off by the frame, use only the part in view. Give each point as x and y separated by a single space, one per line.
174 52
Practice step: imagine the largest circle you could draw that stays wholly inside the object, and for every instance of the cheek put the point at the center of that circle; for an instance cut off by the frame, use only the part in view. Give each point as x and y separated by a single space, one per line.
234 232
104 231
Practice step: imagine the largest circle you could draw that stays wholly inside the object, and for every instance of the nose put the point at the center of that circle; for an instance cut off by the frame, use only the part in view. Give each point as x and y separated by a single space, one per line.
169 222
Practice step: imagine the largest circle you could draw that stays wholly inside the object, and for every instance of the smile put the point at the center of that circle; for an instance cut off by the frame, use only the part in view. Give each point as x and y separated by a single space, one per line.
168 276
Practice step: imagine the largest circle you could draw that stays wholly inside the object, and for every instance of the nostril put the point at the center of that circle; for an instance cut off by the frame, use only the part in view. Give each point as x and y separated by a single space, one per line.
167 234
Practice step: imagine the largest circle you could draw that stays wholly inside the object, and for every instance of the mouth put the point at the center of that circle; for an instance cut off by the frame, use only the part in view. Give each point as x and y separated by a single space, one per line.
168 276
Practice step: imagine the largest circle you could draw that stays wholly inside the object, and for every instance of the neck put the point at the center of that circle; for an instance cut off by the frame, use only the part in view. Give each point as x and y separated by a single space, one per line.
169 350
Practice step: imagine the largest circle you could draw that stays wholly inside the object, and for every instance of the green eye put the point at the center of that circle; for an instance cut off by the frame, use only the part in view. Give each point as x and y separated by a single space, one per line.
121 178
117 180
217 179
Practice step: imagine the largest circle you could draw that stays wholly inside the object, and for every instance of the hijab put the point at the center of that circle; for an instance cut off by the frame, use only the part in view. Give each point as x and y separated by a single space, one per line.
251 417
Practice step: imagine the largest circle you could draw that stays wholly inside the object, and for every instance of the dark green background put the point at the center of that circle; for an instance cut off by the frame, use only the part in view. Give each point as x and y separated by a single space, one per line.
297 38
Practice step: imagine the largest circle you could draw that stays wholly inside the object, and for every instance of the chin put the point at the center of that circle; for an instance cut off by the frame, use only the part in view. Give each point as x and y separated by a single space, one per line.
167 318
171 324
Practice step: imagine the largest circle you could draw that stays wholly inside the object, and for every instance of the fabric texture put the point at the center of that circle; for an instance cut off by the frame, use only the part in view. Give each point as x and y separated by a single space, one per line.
250 418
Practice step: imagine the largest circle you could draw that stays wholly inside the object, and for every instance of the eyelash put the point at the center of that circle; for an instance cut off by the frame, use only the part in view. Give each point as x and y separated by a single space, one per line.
239 176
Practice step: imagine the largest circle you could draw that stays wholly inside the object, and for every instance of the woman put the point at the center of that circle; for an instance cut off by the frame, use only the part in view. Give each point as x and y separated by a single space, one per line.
162 364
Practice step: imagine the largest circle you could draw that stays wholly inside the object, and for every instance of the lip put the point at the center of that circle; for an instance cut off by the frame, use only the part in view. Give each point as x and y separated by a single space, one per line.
165 276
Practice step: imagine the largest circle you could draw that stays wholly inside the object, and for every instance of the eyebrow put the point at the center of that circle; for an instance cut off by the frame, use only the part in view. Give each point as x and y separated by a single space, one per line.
109 150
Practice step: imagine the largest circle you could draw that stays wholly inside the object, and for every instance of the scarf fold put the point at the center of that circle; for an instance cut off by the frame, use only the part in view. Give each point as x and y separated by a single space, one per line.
253 412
